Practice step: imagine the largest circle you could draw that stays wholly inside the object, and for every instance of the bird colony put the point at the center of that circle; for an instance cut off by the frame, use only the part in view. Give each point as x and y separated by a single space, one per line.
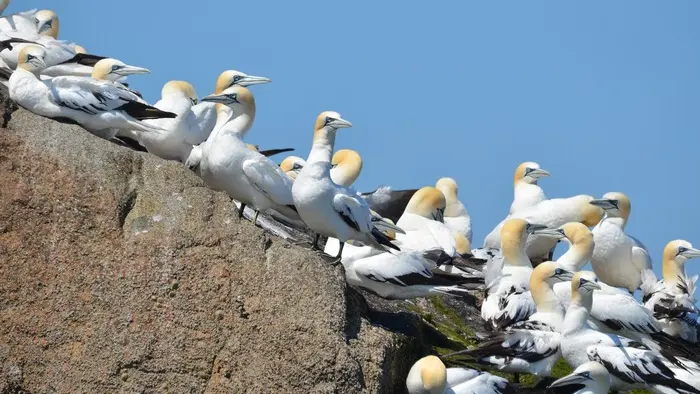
407 243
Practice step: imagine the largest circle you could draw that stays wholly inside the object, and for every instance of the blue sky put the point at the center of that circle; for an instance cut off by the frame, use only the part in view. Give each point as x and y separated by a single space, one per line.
605 95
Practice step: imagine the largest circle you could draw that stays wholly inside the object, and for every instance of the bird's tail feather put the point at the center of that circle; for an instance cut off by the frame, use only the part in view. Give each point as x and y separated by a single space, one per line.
382 239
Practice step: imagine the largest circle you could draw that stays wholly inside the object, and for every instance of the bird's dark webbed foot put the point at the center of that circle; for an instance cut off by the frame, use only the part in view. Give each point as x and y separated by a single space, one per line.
314 245
339 256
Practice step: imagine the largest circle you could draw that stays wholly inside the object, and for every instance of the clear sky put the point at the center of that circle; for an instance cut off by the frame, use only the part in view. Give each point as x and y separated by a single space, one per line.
604 95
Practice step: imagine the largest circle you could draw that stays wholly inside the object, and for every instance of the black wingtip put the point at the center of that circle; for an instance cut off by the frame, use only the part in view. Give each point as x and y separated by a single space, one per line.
142 111
293 208
383 239
84 59
272 152
7 44
437 255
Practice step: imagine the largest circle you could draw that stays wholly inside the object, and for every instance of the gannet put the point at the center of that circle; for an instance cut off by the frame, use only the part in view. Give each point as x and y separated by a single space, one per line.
404 275
629 363
612 311
429 376
456 215
526 191
292 165
183 132
389 203
32 21
552 213
211 116
672 298
589 378
618 259
508 299
95 105
530 346
327 208
422 223
245 175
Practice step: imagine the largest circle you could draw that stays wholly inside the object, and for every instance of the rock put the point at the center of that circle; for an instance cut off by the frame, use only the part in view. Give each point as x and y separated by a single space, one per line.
122 272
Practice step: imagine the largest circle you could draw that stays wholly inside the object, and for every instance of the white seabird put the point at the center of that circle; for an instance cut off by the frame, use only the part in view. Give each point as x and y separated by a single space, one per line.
552 213
630 364
292 165
95 105
509 300
422 223
32 21
526 191
329 209
618 259
229 165
429 376
456 216
404 274
614 311
589 378
530 346
672 299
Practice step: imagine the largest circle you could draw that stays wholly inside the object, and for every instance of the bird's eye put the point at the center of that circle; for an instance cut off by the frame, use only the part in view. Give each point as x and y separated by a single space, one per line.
586 375
115 67
49 23
328 119
558 271
236 78
583 282
681 249
296 166
529 170
234 97
30 57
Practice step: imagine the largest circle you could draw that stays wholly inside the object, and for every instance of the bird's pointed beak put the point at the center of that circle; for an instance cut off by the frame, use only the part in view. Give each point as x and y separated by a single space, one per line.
250 80
575 379
591 285
538 173
555 233
216 98
533 227
133 70
602 203
691 253
564 275
340 124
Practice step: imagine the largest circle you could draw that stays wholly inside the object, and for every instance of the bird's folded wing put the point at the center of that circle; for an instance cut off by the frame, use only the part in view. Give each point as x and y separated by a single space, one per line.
89 95
267 177
353 212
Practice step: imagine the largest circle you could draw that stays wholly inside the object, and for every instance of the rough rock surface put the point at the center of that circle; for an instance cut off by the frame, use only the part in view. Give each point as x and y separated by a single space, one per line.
121 272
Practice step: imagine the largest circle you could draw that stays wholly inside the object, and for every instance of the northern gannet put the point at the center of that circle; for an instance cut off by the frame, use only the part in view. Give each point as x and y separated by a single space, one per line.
422 223
183 132
404 275
672 299
429 376
552 213
95 105
292 165
526 191
211 116
618 259
630 364
38 22
612 310
327 208
456 216
530 346
509 300
589 378
229 165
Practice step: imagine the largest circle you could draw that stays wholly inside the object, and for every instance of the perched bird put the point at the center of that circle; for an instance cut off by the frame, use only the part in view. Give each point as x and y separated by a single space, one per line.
110 69
526 191
292 165
404 275
429 376
456 216
327 208
211 116
32 21
630 364
530 346
508 300
618 259
94 105
422 222
552 213
589 378
672 299
245 175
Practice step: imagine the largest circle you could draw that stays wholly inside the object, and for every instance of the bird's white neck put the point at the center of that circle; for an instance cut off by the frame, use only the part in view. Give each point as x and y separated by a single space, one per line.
322 148
577 313
233 123
545 298
614 220
574 258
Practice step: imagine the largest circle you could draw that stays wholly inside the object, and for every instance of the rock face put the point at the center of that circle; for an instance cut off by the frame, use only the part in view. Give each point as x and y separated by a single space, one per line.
121 272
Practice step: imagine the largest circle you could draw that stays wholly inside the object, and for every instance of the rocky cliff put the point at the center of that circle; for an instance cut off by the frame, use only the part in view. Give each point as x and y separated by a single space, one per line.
121 272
